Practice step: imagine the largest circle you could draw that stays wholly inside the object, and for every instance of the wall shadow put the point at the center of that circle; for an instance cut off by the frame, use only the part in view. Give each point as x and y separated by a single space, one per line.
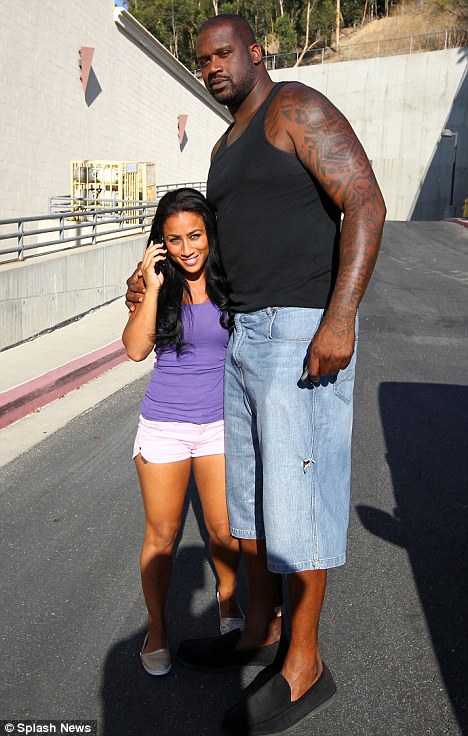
183 142
434 194
426 432
93 88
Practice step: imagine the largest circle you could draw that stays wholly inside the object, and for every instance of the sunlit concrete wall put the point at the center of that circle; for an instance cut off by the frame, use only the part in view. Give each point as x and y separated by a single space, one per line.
38 294
398 107
134 96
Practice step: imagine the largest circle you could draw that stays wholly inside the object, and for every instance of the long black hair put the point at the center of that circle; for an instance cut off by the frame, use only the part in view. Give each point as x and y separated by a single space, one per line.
169 331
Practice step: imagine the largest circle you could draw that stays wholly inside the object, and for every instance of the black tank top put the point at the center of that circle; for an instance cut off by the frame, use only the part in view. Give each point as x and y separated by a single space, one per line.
278 230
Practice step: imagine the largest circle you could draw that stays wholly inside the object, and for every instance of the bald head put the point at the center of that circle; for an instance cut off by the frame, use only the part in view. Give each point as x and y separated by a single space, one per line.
239 26
230 59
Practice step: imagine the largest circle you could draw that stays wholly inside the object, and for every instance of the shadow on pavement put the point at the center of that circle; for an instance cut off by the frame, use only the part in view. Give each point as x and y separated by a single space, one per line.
425 428
184 701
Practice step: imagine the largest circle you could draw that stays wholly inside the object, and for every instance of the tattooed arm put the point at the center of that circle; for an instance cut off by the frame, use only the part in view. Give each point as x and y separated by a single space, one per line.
326 145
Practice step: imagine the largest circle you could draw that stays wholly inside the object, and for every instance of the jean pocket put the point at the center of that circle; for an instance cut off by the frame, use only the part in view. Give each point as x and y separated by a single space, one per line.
290 324
344 384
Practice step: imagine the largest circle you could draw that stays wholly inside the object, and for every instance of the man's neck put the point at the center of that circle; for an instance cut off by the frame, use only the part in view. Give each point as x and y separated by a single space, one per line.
247 109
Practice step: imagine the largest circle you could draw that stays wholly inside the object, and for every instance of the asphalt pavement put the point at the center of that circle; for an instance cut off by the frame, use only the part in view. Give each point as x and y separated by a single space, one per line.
393 629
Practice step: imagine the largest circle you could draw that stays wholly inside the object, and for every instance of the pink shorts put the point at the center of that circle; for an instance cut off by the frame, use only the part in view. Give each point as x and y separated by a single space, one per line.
170 442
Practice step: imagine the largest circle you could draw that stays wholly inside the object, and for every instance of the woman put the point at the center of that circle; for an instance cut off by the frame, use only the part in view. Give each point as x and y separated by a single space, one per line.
184 318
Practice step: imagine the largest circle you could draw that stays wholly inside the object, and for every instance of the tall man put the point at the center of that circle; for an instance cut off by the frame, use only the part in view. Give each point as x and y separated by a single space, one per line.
279 180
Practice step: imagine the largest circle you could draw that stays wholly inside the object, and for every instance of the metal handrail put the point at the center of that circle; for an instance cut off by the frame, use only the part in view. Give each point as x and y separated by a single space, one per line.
329 54
87 217
128 218
163 188
64 203
58 202
443 40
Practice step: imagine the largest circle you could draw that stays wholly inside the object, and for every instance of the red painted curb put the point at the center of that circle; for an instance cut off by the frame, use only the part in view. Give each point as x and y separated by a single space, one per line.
459 220
21 400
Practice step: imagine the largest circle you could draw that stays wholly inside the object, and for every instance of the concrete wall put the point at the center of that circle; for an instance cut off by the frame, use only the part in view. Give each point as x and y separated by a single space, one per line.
135 93
39 293
398 107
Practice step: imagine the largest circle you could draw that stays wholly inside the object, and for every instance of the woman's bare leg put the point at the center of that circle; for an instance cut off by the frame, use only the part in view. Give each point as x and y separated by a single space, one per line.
210 477
163 488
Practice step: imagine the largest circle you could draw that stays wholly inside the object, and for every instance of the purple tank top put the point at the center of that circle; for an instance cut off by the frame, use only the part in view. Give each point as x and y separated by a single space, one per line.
189 387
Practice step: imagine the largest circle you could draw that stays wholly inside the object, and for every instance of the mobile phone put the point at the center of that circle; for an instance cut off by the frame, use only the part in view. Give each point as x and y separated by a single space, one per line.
160 266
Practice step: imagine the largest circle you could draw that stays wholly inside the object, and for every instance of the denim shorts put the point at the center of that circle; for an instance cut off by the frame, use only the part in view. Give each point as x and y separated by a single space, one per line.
288 443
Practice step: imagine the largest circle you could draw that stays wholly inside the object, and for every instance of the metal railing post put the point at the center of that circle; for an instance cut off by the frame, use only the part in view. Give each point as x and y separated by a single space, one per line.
446 39
411 44
21 240
94 231
323 55
61 228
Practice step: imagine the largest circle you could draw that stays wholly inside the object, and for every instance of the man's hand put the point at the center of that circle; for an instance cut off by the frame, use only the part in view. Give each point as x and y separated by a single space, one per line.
135 289
332 347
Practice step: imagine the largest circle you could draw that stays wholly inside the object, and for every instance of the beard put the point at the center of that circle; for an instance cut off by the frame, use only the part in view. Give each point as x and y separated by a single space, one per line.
234 93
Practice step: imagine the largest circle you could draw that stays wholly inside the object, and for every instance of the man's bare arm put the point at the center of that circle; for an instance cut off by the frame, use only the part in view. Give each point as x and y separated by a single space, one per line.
328 147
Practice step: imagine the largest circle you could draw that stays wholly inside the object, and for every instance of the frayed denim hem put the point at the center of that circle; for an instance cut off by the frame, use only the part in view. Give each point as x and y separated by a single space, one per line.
247 534
324 564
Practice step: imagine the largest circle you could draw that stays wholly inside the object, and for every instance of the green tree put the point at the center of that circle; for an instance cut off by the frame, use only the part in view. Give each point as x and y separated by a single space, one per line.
173 22
351 11
321 23
286 34
284 22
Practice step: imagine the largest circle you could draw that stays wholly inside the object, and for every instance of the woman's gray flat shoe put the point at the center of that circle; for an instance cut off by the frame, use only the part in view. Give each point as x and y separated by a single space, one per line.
155 663
229 624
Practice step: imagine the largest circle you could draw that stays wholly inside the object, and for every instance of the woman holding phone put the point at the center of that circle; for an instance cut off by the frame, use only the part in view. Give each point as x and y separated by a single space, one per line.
184 318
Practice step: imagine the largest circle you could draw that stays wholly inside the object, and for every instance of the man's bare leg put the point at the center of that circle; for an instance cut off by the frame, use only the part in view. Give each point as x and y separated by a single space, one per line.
303 664
265 594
